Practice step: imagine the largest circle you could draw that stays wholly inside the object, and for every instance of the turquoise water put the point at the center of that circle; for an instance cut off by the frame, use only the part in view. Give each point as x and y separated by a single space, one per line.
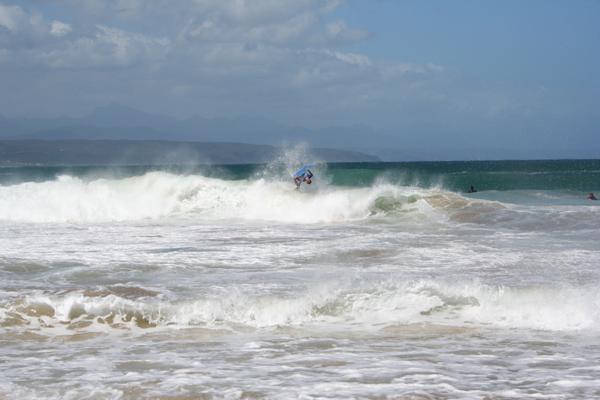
566 175
576 175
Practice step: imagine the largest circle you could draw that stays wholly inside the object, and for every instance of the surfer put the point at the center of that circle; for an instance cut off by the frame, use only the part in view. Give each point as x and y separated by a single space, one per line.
472 189
303 175
592 197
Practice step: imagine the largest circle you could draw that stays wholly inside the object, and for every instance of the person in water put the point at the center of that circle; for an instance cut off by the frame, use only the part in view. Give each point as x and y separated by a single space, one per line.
306 177
592 197
309 176
472 189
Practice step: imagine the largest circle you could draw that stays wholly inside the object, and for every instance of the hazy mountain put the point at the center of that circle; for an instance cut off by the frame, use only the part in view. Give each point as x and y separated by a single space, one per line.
145 152
117 122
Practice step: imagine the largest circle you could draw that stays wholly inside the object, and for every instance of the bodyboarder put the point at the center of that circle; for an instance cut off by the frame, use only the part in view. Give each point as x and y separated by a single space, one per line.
304 174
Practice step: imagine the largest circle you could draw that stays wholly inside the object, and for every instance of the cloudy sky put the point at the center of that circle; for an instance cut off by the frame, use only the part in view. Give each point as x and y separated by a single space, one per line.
477 73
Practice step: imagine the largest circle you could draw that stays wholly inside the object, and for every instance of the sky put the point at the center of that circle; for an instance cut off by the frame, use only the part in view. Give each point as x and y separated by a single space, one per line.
446 74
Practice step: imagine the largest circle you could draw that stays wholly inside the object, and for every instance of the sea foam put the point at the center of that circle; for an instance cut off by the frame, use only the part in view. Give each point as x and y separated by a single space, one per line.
157 195
161 194
371 305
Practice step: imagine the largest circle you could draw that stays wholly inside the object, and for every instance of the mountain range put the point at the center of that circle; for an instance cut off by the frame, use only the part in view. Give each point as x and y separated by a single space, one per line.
118 122
155 152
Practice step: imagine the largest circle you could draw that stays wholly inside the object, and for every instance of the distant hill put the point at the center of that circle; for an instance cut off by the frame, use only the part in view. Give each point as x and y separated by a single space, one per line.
118 122
152 152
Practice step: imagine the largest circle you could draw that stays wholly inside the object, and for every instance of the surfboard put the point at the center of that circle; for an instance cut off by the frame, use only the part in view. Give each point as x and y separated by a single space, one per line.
300 174
302 170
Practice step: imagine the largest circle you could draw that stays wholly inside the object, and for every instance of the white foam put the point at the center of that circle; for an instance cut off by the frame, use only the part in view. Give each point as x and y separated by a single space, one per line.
160 194
335 304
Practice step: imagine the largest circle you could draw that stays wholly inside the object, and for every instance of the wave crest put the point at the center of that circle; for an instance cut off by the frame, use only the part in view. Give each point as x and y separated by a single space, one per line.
157 195
369 305
162 194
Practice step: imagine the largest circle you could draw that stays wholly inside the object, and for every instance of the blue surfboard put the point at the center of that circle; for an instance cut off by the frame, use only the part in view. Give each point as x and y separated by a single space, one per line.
302 170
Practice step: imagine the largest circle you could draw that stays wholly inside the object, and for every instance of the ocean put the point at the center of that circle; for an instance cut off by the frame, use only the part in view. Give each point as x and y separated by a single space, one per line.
380 280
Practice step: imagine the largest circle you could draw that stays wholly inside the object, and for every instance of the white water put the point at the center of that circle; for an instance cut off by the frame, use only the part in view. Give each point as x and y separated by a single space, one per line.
165 285
562 309
160 194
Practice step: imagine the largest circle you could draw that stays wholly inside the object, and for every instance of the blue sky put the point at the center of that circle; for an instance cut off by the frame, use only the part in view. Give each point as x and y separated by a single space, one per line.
520 74
532 42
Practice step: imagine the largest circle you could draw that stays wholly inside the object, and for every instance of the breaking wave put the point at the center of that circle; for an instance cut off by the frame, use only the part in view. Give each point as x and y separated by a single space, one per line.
379 306
162 194
157 195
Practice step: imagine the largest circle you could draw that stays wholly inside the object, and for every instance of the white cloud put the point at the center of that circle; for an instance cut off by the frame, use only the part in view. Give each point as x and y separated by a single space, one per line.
113 8
58 28
11 17
106 47
352 58
214 35
340 32
17 21
216 29
238 54
280 23
22 30
27 38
